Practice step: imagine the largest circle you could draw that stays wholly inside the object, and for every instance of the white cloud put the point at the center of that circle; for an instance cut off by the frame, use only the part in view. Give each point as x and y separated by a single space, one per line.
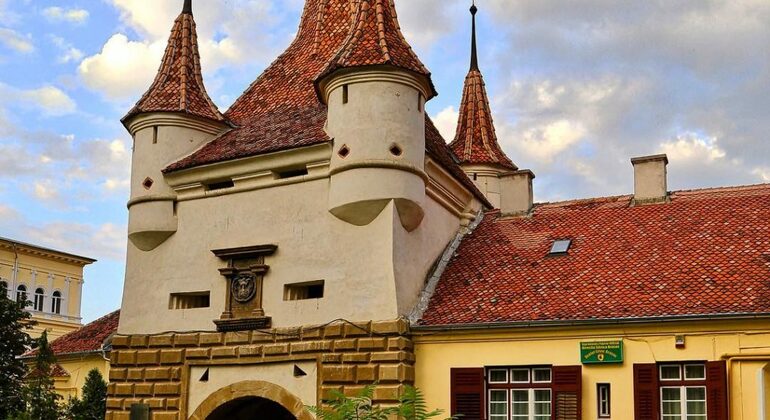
49 99
45 190
446 122
692 148
16 41
762 173
58 14
123 68
68 52
544 144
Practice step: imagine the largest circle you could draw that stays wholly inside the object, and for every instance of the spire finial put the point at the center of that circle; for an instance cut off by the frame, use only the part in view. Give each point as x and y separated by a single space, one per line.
474 55
187 9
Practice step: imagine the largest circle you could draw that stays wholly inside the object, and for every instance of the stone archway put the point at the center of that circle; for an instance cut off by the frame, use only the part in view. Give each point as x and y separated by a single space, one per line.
248 396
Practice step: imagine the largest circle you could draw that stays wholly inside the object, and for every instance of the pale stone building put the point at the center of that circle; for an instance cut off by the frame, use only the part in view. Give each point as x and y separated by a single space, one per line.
52 281
321 235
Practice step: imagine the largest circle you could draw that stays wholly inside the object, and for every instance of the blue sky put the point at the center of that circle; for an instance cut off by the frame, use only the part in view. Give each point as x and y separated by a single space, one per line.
577 88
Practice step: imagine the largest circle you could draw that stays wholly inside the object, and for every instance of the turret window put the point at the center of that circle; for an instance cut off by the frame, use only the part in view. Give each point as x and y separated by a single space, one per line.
344 151
147 183
155 135
21 294
345 94
396 150
39 299
419 102
56 302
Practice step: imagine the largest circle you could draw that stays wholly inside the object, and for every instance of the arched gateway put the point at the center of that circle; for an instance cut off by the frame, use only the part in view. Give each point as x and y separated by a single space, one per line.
252 400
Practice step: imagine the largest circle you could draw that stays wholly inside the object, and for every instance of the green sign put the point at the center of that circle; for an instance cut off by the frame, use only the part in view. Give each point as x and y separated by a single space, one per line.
597 352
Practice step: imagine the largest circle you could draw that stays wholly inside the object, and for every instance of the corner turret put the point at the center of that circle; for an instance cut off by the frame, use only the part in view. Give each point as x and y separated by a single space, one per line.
376 88
475 141
173 118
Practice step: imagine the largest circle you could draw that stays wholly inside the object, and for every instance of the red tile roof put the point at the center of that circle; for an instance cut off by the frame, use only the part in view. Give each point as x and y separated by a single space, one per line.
89 338
376 39
475 139
178 86
707 252
281 110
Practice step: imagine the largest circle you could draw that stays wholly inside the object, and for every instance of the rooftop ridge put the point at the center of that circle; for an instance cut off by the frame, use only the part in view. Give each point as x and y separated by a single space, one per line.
178 85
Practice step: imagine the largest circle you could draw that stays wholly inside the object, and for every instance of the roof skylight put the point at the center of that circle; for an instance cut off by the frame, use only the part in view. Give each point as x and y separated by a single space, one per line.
560 247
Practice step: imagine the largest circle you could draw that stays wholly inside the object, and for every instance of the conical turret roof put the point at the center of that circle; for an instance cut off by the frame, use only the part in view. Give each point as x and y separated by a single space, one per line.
475 139
178 86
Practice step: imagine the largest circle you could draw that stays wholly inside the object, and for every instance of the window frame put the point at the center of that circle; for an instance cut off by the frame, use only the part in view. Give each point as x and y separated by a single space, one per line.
531 386
56 299
21 291
683 384
599 400
38 303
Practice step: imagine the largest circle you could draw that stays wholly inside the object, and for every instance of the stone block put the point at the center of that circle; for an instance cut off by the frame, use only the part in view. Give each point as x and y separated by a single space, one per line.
185 340
143 389
164 340
385 393
120 341
395 327
339 374
118 415
400 343
275 349
311 347
366 374
155 403
170 357
198 353
114 403
332 331
157 374
118 374
167 415
251 351
167 389
172 403
355 358
126 357
356 330
224 352
212 339
372 344
345 345
241 337
123 389
138 341
135 374
331 358
396 373
148 357
390 356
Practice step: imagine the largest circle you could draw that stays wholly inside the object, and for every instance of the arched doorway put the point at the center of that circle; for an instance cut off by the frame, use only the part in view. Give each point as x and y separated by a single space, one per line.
253 400
251 408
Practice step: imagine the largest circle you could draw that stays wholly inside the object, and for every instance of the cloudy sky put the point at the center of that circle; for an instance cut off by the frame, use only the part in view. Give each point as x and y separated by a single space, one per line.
577 88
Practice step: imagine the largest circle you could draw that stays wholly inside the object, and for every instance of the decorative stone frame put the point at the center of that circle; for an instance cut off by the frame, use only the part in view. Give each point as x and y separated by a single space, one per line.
257 389
247 314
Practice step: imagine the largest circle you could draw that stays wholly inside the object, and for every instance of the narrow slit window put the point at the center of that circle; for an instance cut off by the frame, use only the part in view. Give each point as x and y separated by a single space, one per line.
603 400
290 173
39 300
304 291
191 300
155 135
345 94
221 185
56 302
419 102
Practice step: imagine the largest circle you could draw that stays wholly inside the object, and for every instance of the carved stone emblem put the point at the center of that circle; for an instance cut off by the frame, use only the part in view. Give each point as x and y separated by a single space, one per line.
244 287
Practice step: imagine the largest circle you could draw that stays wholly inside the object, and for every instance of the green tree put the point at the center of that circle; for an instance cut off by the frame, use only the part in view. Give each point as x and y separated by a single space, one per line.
360 407
14 341
93 405
41 399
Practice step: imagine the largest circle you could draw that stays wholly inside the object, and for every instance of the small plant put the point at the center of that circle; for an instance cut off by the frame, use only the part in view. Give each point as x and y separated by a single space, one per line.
411 406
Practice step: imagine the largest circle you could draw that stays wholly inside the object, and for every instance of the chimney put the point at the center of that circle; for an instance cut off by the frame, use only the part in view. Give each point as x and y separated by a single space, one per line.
650 179
516 192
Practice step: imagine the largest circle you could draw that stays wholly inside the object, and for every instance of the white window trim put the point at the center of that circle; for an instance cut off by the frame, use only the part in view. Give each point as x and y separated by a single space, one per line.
529 375
60 298
606 387
684 372
683 400
531 401
662 379
489 372
550 376
507 404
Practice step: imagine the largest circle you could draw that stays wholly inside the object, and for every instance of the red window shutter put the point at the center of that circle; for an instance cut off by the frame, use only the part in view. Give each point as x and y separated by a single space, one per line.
567 392
467 388
716 390
646 401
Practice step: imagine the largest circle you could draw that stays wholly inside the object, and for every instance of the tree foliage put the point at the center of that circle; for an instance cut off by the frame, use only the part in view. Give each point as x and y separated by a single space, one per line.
411 406
93 405
41 399
14 341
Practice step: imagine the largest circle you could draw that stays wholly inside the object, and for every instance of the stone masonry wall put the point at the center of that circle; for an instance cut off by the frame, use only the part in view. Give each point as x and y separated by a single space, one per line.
154 369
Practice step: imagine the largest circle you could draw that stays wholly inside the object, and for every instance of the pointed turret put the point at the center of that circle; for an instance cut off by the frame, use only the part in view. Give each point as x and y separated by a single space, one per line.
178 86
476 142
174 118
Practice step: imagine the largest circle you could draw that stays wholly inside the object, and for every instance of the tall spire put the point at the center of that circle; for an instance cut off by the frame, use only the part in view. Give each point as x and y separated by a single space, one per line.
475 141
178 86
474 54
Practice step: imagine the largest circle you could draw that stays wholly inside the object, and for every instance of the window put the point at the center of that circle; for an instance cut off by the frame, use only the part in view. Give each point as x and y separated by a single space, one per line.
194 300
220 185
304 291
520 393
560 247
21 293
683 391
56 302
290 173
603 400
345 94
39 299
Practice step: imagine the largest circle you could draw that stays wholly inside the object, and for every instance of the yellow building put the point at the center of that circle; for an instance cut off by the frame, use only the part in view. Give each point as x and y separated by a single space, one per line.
52 281
80 351
322 236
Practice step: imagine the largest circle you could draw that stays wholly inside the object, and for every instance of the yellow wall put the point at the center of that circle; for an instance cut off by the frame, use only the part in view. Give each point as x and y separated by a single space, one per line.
78 368
705 340
52 272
